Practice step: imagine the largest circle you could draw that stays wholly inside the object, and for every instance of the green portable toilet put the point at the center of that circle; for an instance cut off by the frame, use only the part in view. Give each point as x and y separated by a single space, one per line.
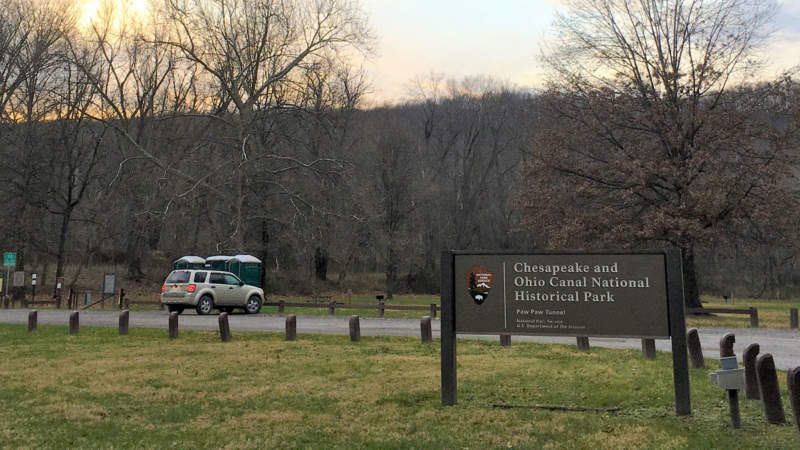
219 262
189 262
246 267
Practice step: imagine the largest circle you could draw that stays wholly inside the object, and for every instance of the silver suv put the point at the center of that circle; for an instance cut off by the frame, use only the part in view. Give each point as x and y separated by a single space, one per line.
205 290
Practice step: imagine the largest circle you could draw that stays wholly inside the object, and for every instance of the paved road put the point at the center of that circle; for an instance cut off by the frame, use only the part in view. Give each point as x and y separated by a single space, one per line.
784 345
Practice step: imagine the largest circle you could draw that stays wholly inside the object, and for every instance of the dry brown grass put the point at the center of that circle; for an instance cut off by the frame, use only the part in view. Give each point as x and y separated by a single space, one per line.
259 391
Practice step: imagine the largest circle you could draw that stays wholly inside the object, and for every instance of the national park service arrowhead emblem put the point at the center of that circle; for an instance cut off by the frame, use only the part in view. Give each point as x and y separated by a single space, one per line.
479 281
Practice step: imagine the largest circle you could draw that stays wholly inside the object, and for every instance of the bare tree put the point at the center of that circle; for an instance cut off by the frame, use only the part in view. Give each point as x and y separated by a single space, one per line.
138 87
253 53
75 149
647 138
474 134
27 103
14 31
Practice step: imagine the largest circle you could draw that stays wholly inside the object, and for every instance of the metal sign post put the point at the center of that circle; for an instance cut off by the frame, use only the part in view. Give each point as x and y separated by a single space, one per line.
59 291
33 288
9 261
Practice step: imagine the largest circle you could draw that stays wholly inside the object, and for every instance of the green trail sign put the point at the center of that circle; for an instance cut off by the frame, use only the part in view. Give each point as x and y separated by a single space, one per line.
9 259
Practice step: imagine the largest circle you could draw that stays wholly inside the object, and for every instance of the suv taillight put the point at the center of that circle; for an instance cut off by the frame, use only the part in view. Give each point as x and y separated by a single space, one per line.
163 288
191 288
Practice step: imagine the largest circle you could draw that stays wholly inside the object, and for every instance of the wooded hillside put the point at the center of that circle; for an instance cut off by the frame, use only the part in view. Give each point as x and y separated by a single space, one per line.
133 145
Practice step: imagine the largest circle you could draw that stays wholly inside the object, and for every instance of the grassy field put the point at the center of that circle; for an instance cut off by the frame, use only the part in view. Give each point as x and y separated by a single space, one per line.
772 314
98 389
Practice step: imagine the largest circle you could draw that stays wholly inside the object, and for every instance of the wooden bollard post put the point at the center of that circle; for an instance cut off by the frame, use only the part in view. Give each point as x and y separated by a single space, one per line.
793 318
173 325
754 317
433 309
768 388
281 306
291 327
74 322
33 320
649 348
425 329
793 381
381 308
750 376
695 350
332 308
124 320
224 328
355 328
505 340
726 345
583 343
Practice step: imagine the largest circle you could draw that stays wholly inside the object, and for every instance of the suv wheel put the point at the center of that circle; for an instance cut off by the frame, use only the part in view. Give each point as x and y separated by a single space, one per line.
253 305
175 308
204 305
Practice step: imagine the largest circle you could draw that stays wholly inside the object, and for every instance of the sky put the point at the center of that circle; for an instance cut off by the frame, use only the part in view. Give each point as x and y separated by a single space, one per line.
498 38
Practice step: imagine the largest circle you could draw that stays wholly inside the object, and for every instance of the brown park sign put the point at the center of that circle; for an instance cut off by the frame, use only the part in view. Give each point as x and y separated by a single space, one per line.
622 295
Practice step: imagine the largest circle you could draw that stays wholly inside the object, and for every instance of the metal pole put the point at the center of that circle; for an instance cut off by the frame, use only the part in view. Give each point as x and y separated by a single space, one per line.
733 400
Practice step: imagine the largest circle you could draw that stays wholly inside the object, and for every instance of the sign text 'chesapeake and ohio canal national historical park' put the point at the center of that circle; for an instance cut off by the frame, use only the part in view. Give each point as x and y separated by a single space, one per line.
562 294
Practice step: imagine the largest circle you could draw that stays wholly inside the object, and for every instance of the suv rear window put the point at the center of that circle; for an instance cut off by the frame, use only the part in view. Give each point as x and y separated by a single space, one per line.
178 276
200 277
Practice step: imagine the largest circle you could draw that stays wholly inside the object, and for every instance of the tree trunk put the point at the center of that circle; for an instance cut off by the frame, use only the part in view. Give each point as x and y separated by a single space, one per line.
691 290
346 265
391 274
239 203
263 254
42 282
62 242
239 211
154 226
133 253
321 264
